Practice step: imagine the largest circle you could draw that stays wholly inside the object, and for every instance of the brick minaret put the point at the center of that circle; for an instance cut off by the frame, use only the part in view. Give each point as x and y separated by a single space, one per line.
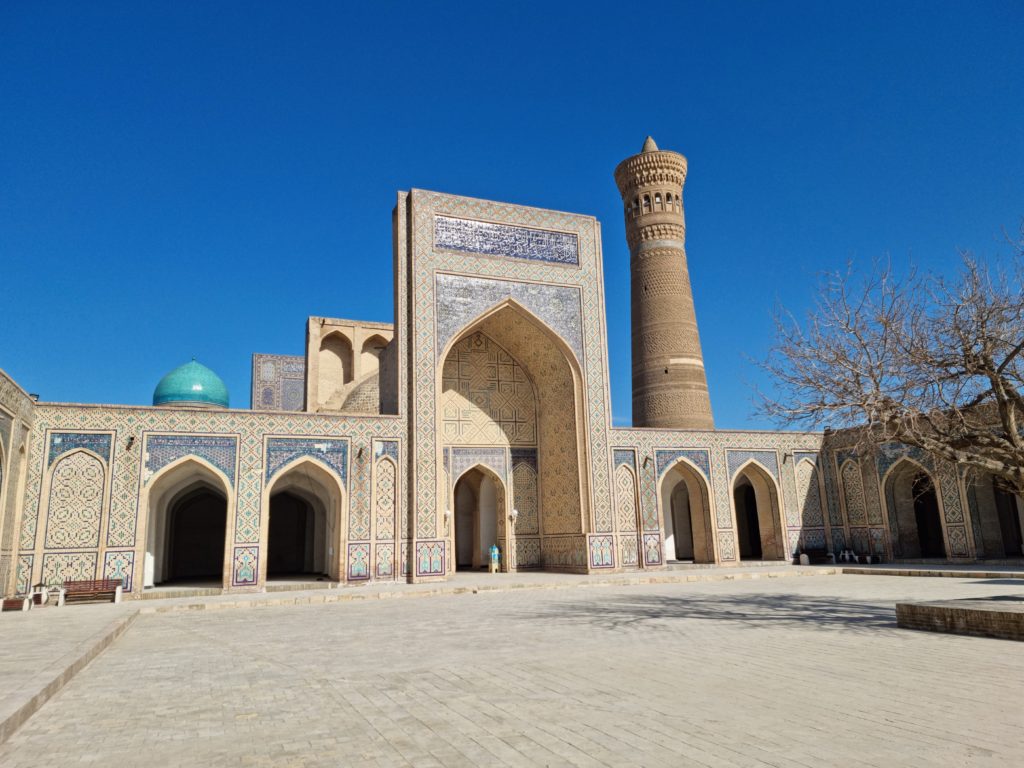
670 389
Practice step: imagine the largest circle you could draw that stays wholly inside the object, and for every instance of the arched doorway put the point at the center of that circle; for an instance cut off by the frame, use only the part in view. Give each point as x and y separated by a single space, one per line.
479 514
187 510
335 365
756 505
686 513
997 517
512 388
914 513
304 529
197 522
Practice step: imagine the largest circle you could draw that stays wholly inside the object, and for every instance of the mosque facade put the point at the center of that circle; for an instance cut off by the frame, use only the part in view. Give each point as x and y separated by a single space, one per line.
481 416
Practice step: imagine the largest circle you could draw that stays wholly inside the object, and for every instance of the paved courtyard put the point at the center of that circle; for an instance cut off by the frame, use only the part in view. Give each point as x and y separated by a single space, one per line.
796 671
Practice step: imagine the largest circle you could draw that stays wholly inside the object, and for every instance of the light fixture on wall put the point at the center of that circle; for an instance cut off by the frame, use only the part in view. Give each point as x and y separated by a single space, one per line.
785 458
514 516
447 514
131 441
647 461
359 453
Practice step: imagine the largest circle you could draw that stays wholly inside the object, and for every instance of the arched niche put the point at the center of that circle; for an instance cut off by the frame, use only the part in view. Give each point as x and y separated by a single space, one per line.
369 355
755 497
304 530
186 512
334 365
478 519
552 370
684 501
915 512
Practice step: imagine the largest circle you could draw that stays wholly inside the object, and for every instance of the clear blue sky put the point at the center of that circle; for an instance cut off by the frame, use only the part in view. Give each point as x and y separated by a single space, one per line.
170 171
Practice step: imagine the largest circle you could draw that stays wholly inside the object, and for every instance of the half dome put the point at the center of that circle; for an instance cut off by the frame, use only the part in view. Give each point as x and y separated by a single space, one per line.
191 385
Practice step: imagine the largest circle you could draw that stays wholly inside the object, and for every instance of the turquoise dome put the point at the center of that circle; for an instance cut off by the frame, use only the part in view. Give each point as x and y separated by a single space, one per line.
191 384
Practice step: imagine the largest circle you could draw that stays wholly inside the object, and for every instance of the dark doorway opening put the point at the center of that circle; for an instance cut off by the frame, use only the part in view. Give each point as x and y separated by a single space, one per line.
197 528
926 514
291 540
1009 521
748 527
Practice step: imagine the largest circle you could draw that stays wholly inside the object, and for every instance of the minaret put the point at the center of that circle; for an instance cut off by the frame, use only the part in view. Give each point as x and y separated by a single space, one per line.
670 389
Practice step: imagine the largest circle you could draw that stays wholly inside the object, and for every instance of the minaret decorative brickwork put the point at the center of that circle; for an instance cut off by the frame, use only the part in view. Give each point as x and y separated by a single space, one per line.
670 389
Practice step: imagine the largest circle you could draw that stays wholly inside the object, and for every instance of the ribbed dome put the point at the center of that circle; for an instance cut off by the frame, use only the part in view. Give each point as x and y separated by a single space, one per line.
191 384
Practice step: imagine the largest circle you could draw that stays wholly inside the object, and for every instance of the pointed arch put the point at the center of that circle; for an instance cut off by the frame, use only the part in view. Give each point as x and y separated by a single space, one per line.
76 497
186 482
756 509
369 353
335 364
685 507
854 498
309 532
914 507
479 518
562 440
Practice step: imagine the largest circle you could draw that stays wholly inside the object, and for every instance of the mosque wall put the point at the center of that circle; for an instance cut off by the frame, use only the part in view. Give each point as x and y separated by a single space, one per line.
789 463
17 415
90 470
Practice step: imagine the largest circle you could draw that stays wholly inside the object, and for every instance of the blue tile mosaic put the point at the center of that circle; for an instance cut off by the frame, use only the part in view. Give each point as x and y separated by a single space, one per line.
701 458
768 459
284 450
278 382
461 299
161 450
524 456
505 240
385 448
63 442
464 458
624 456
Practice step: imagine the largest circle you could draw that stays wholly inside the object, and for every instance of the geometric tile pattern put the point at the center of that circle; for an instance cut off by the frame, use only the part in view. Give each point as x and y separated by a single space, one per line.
278 382
68 566
460 299
63 442
358 562
809 506
119 565
505 240
853 492
284 450
245 566
493 458
220 451
602 550
524 492
768 459
24 577
624 456
698 457
386 473
487 398
652 549
75 507
430 560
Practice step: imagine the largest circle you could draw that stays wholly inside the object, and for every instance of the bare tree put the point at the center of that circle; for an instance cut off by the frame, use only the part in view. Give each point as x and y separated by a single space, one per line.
923 361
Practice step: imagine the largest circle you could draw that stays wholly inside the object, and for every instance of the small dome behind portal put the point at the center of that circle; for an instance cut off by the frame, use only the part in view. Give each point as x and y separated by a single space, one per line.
192 385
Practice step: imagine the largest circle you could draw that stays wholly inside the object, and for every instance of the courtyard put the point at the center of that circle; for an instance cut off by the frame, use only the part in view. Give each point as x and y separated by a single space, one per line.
783 671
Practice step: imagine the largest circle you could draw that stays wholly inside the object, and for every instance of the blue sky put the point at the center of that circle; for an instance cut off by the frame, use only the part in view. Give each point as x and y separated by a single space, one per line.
169 171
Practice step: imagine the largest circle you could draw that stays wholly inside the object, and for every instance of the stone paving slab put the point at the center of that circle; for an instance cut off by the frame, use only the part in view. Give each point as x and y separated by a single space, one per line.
1001 616
753 672
938 571
42 649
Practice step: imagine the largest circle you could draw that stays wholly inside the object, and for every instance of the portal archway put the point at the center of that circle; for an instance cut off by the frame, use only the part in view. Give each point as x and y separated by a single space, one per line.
915 515
510 387
755 498
303 530
479 519
686 512
187 518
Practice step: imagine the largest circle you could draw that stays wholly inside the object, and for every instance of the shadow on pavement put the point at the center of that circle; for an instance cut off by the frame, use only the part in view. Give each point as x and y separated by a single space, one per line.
660 612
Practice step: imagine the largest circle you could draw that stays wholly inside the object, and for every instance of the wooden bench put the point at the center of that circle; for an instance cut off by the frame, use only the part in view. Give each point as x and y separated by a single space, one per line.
95 589
17 604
